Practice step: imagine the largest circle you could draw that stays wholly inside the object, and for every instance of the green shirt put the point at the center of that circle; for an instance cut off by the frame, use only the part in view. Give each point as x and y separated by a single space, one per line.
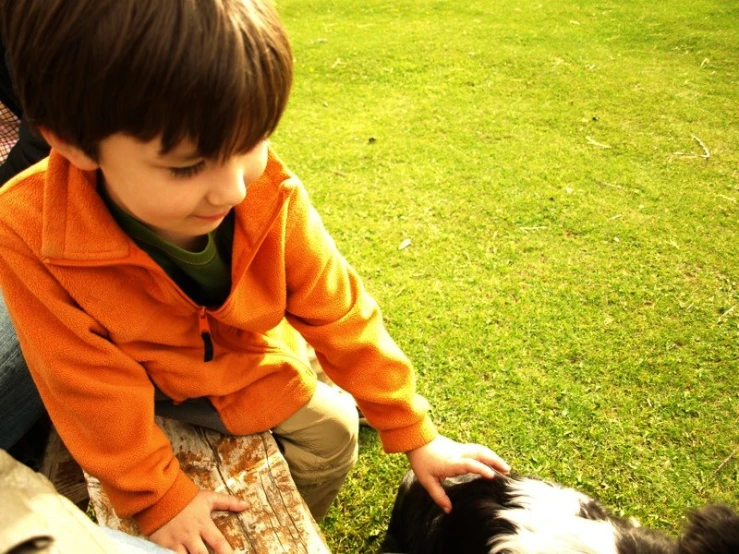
204 276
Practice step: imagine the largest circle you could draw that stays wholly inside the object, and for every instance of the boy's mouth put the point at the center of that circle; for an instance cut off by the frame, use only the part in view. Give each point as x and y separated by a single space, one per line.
214 217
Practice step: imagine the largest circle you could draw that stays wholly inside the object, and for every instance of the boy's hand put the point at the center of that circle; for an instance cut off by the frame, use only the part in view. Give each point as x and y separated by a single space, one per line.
192 529
443 457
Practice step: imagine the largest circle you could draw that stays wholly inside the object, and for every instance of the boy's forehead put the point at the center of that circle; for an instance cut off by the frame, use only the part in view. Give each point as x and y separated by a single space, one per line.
152 149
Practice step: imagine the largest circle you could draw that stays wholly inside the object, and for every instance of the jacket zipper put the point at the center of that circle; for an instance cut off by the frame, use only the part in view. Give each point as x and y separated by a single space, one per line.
147 263
205 335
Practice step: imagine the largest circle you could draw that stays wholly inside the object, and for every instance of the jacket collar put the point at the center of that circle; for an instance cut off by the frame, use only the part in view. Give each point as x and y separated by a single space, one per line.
77 226
79 230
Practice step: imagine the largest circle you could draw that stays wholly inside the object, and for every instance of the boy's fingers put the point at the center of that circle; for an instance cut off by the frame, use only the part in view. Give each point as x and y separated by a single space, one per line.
468 465
197 549
493 460
227 502
499 463
194 545
487 456
215 539
437 494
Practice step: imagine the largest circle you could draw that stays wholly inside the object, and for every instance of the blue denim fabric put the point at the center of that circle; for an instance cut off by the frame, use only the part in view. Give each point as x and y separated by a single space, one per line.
133 545
20 404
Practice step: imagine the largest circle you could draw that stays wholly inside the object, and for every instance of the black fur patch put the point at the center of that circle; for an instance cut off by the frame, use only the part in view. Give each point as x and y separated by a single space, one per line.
418 526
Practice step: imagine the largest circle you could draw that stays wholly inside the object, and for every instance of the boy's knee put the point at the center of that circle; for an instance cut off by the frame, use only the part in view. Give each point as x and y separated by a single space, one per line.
342 450
321 441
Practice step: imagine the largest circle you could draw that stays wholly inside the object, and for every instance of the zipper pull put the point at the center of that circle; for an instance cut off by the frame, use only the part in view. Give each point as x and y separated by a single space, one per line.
204 327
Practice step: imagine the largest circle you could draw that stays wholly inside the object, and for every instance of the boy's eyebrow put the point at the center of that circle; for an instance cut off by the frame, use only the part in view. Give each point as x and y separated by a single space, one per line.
182 157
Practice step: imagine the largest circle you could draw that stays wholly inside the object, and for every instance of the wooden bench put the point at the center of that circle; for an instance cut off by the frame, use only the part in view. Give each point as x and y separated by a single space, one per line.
63 471
250 467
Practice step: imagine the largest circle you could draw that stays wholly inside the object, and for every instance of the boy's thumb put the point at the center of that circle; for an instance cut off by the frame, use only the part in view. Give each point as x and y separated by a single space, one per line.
438 495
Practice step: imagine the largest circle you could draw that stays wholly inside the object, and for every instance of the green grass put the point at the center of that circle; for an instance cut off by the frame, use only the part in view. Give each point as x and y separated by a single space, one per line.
574 307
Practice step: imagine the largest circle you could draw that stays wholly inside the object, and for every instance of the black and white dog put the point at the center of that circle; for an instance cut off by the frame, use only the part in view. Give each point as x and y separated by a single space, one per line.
515 515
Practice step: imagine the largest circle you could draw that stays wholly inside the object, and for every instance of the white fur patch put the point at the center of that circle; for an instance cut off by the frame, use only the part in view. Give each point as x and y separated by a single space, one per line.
548 523
545 497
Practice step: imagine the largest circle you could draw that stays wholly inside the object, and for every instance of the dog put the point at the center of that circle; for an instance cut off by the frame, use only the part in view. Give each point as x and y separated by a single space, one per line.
518 515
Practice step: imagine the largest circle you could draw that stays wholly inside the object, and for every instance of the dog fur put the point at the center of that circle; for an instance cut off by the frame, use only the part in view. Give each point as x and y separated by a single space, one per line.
517 515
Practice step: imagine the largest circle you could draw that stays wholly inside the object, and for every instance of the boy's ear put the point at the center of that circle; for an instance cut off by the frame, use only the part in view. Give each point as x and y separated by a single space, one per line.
76 156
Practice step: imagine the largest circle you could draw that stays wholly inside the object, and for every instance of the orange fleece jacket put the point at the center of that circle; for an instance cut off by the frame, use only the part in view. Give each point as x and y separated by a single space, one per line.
99 321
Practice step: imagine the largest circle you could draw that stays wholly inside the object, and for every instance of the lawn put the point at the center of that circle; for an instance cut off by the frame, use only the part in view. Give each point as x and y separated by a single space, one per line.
567 174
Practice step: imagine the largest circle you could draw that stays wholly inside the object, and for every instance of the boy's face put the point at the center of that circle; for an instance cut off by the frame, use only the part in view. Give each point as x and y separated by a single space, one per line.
180 196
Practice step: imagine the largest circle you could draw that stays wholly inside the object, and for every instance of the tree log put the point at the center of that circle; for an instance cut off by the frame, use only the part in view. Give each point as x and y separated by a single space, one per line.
250 467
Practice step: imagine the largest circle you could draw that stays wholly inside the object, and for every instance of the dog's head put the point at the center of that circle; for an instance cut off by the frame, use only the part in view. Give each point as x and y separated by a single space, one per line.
711 530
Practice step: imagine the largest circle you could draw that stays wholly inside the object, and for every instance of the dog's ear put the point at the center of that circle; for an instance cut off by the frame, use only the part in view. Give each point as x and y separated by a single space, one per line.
711 530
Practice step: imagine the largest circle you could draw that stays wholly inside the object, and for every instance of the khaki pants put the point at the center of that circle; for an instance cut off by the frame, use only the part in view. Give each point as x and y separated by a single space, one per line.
320 444
319 441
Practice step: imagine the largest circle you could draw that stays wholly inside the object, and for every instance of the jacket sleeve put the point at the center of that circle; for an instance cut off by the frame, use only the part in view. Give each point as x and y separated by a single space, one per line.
100 400
328 305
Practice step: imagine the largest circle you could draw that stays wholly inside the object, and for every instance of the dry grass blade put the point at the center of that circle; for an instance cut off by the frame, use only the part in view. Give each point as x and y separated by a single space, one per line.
706 153
594 142
726 461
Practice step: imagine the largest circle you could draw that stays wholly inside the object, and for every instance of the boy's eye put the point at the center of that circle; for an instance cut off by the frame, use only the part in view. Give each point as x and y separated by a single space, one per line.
188 171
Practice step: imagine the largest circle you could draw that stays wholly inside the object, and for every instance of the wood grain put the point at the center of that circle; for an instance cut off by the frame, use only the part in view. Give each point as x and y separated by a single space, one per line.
250 467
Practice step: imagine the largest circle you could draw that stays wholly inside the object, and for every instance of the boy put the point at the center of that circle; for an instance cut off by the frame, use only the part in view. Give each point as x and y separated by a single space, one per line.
154 262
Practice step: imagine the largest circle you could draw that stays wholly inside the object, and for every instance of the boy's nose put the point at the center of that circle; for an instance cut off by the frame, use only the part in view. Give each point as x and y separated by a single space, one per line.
228 188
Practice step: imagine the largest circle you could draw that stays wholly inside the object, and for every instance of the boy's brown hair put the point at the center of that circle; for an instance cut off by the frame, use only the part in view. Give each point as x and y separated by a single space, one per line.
215 72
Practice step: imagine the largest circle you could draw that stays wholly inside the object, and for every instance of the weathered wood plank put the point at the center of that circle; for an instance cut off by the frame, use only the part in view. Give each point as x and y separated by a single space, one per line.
250 467
63 471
